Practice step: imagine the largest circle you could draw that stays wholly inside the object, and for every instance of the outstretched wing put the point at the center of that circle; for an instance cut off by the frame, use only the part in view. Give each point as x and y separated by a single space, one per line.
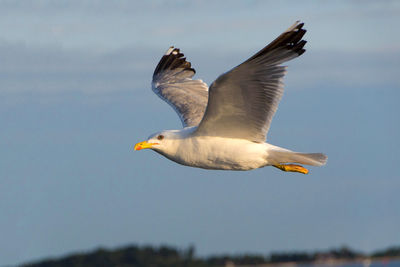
243 101
172 82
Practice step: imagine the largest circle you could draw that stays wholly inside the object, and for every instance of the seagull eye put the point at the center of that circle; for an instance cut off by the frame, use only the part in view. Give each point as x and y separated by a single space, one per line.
160 137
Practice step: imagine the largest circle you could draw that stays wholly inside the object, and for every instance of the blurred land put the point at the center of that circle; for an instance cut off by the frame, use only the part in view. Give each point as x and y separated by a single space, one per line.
166 256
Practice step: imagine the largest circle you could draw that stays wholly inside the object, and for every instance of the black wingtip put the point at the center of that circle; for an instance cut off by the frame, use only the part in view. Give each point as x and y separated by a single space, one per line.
291 39
299 46
173 59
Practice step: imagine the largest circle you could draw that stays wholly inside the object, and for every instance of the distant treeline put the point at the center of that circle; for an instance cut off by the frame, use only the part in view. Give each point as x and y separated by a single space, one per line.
165 256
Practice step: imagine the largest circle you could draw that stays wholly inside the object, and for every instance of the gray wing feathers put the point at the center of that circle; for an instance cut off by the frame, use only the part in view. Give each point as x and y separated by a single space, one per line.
172 82
313 159
243 101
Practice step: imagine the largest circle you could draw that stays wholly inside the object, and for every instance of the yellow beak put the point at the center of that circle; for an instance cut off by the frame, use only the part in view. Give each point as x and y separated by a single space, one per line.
144 145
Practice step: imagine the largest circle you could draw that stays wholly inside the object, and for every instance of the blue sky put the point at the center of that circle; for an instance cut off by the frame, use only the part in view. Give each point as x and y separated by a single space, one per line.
75 97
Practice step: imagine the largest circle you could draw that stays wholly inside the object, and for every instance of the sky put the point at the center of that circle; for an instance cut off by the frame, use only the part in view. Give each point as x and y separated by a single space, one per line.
75 97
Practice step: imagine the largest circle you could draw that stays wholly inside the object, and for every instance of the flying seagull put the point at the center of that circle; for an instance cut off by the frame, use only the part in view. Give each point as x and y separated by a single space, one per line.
225 126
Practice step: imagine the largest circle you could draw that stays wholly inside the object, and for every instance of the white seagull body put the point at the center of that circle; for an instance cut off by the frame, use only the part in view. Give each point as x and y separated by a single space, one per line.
225 126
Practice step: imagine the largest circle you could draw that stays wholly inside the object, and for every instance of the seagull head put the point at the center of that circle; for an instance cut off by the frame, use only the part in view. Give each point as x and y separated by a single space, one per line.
160 141
155 141
165 142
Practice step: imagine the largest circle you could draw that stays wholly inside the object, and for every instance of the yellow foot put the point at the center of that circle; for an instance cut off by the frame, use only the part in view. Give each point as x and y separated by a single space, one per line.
291 168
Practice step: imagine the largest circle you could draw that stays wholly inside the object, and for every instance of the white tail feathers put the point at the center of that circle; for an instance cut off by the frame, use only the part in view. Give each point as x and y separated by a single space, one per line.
314 159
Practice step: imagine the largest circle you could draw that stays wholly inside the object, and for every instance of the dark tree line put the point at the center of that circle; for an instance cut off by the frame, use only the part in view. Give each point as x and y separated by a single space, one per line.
165 256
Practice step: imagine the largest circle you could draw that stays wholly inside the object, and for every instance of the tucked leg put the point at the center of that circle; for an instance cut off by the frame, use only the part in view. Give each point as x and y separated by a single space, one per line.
291 168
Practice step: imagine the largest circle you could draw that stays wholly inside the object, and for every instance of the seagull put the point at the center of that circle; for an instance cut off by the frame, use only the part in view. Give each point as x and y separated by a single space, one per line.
225 125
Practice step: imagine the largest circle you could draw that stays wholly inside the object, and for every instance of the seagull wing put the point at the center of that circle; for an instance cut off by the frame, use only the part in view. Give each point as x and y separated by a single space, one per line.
172 82
243 101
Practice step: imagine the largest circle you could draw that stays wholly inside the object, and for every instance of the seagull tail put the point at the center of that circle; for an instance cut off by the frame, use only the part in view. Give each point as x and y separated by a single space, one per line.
313 159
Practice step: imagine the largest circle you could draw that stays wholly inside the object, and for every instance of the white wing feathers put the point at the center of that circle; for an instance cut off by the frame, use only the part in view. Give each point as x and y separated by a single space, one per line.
172 82
243 101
